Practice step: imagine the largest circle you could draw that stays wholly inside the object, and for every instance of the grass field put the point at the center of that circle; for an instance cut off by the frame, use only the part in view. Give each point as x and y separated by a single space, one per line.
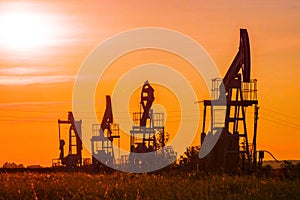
144 186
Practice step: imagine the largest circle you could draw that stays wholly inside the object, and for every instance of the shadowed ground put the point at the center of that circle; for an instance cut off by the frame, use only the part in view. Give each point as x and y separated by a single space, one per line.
144 186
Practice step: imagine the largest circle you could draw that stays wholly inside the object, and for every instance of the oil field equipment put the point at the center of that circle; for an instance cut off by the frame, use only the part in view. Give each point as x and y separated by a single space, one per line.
103 137
147 125
232 149
74 157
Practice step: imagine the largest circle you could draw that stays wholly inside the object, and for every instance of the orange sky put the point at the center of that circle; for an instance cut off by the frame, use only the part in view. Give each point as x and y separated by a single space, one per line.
43 43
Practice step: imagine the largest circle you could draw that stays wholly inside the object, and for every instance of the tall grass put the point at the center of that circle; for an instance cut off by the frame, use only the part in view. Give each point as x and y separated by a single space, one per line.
144 186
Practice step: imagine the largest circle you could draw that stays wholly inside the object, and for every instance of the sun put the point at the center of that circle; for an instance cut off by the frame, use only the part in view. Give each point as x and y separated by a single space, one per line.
24 30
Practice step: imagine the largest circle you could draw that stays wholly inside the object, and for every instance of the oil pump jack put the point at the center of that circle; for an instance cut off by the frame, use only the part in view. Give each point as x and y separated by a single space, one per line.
147 124
232 150
103 137
74 157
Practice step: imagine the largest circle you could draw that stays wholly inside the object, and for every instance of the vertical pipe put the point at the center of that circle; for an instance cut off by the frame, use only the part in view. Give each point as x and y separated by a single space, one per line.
119 151
163 136
70 139
204 119
93 151
255 135
236 112
203 125
212 118
58 132
228 109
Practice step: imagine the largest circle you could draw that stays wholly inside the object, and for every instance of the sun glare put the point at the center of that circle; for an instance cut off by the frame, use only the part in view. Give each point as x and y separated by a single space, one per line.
24 30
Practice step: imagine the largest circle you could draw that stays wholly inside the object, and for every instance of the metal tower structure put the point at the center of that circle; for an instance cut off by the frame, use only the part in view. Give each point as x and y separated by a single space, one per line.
233 148
103 137
74 157
147 124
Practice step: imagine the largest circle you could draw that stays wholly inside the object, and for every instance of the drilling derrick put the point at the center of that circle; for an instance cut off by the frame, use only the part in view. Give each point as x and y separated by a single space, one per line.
232 149
74 157
147 124
103 137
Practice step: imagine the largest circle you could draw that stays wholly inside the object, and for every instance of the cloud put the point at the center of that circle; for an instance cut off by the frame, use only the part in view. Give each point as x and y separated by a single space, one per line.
14 104
29 80
32 75
26 70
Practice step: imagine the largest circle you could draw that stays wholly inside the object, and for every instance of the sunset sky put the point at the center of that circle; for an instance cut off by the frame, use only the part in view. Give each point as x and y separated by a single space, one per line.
44 43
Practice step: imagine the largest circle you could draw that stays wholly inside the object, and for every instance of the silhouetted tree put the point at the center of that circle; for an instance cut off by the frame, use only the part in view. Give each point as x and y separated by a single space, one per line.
161 138
12 165
190 159
168 153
